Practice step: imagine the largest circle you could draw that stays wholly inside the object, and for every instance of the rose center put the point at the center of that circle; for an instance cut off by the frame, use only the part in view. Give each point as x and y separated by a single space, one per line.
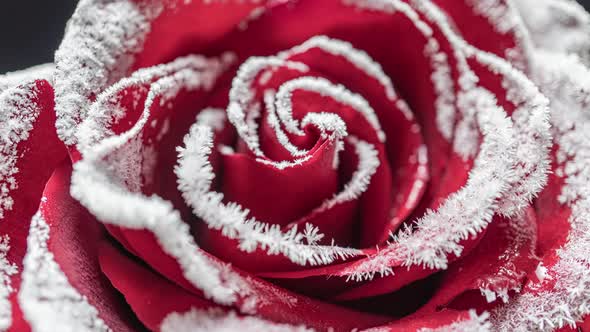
315 138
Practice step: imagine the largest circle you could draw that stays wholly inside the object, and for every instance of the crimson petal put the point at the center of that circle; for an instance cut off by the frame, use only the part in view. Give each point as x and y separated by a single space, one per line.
28 123
480 23
72 241
151 296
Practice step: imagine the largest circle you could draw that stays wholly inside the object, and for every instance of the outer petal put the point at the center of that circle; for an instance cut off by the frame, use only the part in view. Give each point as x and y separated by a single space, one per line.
29 152
62 286
494 270
151 296
494 26
104 40
176 310
559 295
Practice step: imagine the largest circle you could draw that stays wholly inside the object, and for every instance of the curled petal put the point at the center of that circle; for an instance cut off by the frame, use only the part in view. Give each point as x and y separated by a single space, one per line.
558 295
62 286
138 211
424 250
105 40
27 117
481 22
143 288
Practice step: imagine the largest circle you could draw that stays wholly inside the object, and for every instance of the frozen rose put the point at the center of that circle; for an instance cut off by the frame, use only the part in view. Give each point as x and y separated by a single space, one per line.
300 165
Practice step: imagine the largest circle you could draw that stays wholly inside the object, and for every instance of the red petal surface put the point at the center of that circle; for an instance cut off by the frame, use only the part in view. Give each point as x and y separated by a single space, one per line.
151 296
494 29
30 178
74 240
500 263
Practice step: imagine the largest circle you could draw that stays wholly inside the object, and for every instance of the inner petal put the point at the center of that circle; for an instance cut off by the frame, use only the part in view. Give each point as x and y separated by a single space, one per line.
280 195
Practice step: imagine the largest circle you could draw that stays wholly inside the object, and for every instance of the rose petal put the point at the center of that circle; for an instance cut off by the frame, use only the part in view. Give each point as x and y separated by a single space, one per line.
496 267
87 62
492 26
300 188
557 295
72 249
47 296
446 320
151 296
190 27
28 123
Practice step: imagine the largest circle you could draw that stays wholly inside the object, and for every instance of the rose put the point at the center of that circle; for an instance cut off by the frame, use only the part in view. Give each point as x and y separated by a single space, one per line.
316 121
470 144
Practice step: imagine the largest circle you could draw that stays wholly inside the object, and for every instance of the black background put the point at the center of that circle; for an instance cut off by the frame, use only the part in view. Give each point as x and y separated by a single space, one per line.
31 30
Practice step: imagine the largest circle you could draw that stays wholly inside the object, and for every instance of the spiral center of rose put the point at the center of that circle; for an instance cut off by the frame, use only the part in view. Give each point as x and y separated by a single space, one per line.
306 152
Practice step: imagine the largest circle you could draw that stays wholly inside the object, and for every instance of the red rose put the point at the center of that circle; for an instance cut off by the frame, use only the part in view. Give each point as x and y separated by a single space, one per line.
300 165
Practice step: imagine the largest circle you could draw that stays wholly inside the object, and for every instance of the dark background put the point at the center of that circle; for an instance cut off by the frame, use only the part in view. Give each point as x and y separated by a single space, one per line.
31 30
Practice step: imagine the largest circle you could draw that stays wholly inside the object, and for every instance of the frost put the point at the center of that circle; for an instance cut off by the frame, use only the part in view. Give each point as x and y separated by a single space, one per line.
18 113
106 110
273 121
506 20
444 87
7 270
475 323
40 72
214 320
114 31
241 97
556 25
358 58
323 87
541 272
361 178
212 117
